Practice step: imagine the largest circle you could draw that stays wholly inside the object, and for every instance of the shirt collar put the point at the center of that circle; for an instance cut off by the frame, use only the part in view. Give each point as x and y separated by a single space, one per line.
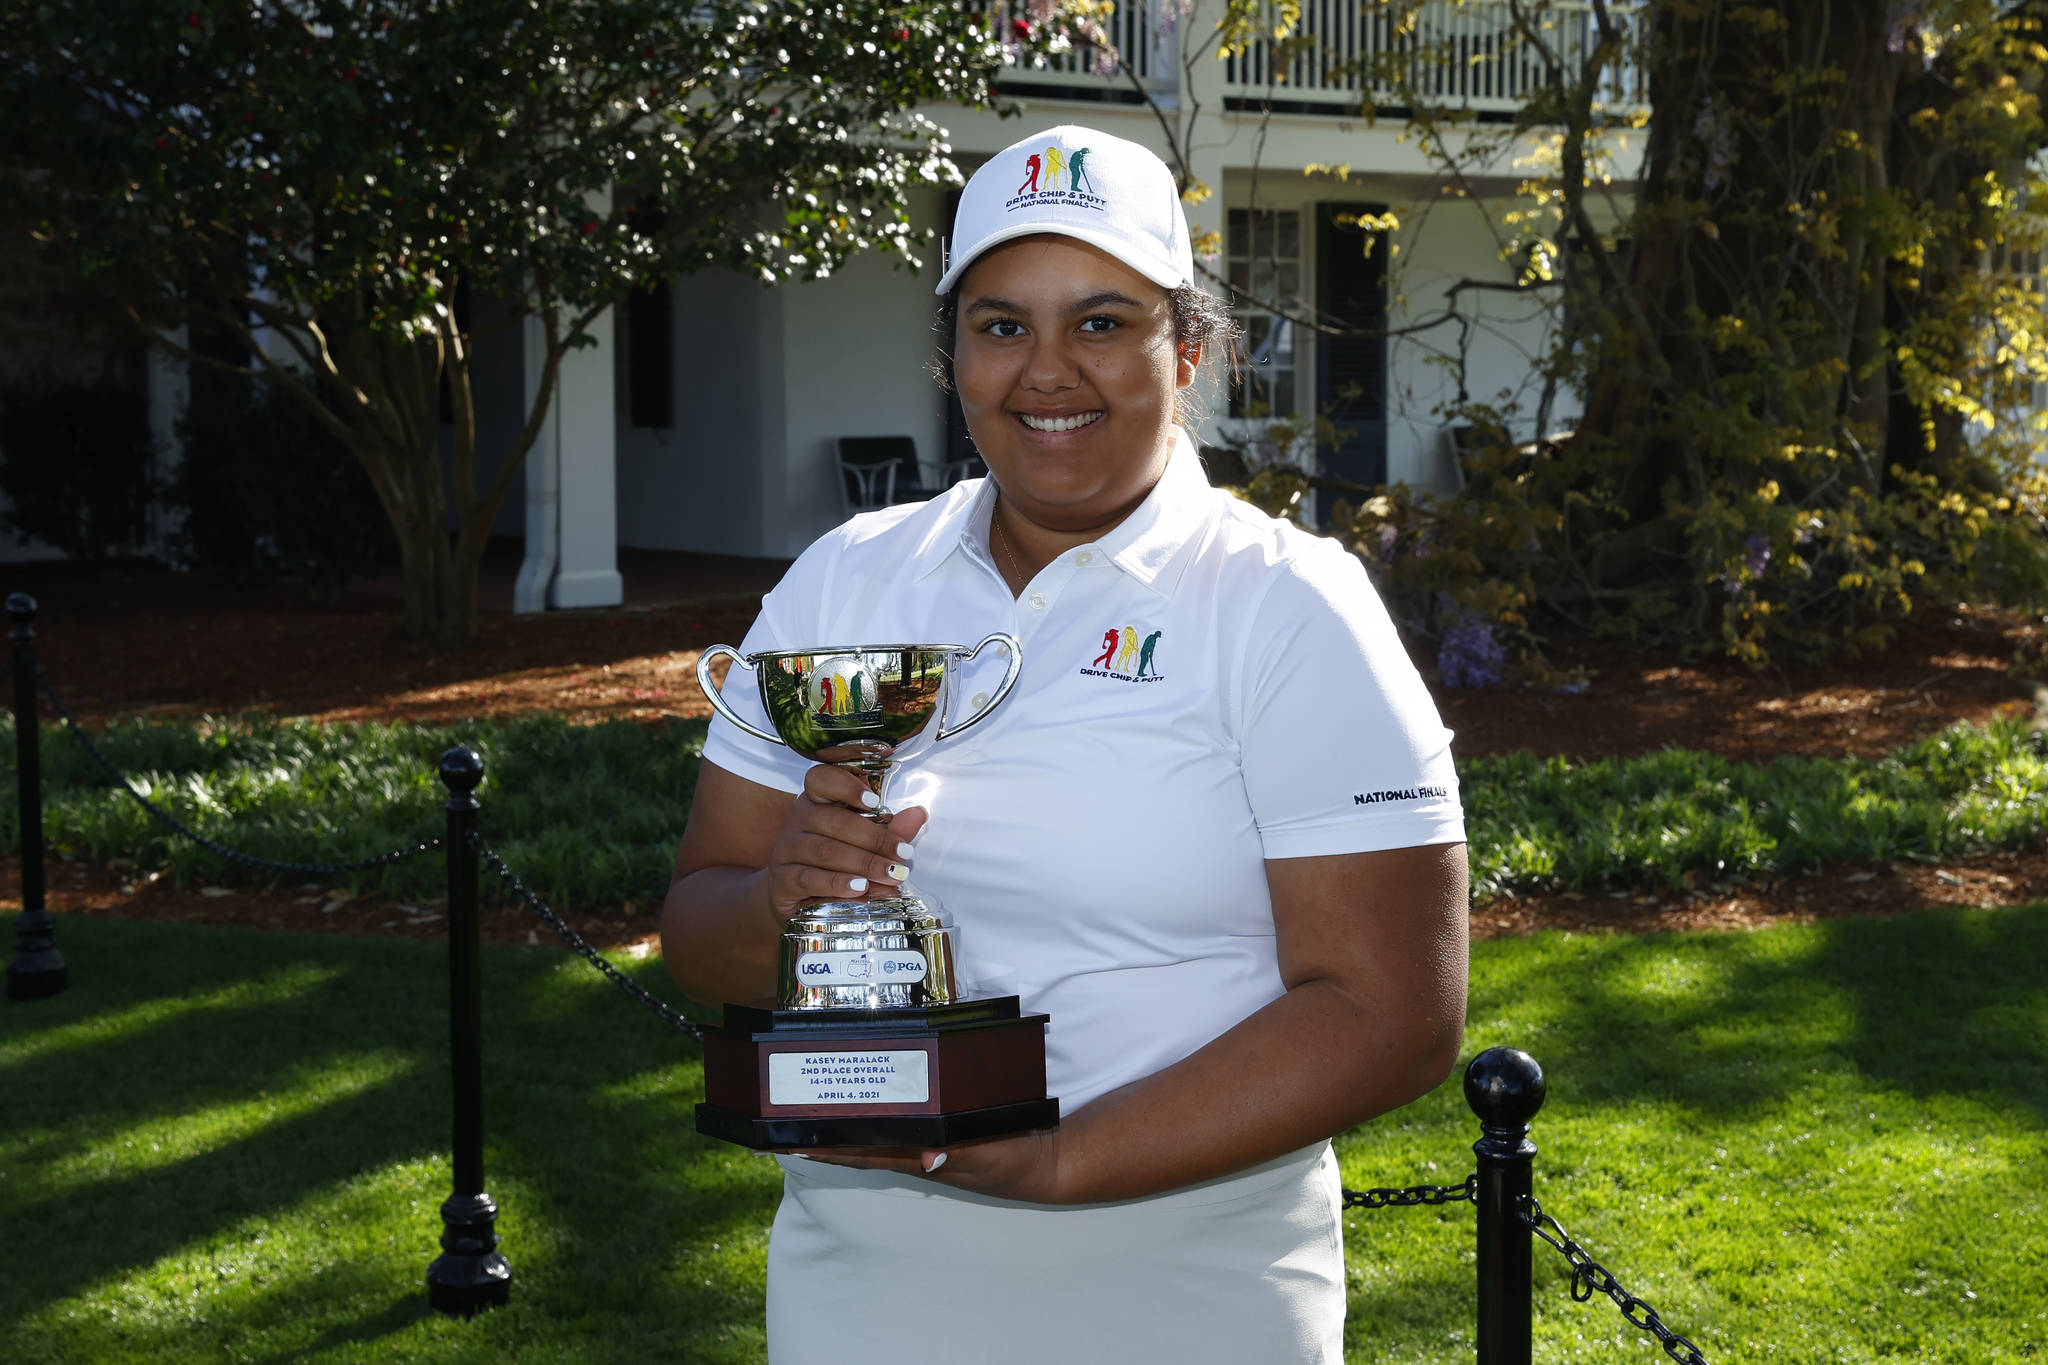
1144 545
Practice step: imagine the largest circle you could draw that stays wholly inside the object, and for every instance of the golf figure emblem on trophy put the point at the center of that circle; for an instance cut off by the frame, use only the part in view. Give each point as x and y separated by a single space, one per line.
867 1042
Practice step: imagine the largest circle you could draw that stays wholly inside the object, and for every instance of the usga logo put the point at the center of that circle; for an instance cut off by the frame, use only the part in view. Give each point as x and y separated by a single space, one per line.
1054 174
1127 655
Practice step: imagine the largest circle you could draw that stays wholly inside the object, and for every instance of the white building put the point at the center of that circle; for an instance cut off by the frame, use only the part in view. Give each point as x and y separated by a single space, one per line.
705 420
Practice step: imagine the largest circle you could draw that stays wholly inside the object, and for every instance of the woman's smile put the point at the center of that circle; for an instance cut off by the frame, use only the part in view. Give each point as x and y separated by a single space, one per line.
1049 422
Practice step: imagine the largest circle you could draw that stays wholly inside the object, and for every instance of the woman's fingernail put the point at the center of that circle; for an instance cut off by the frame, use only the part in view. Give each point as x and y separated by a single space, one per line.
905 852
898 872
857 885
871 801
934 1161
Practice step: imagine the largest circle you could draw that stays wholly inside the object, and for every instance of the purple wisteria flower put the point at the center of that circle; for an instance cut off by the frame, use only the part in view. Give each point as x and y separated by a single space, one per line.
1469 652
1756 553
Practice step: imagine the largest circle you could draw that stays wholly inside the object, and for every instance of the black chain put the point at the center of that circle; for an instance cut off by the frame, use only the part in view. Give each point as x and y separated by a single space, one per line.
575 940
1589 1275
1413 1195
233 855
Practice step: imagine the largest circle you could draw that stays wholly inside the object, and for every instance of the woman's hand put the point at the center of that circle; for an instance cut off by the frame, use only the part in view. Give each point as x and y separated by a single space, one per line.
1026 1166
827 848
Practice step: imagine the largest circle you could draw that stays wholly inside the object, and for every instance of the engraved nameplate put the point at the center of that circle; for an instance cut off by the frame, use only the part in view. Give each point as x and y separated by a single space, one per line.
893 1077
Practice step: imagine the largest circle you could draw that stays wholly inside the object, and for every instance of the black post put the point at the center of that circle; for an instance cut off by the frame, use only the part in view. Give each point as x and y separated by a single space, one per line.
1504 1086
38 969
469 1275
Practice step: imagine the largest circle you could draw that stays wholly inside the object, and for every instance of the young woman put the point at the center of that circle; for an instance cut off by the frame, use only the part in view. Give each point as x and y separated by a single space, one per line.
1228 864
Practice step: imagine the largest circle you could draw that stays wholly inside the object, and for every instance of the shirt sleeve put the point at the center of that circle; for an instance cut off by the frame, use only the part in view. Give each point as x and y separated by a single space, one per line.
1342 749
779 626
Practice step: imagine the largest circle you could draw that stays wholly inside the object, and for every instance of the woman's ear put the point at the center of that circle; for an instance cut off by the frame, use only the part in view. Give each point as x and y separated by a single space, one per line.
1186 363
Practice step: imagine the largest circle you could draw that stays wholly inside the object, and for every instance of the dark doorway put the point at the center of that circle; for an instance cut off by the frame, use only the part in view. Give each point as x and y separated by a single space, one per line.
1351 371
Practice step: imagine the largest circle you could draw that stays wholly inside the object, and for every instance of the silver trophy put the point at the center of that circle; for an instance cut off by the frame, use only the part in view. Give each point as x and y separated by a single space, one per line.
868 709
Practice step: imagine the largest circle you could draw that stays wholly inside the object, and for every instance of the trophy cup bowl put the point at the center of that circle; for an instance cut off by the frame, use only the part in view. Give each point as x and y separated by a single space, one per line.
868 1042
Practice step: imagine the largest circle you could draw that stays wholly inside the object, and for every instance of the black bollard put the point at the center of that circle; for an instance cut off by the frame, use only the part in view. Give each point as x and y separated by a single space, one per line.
469 1275
38 969
1504 1086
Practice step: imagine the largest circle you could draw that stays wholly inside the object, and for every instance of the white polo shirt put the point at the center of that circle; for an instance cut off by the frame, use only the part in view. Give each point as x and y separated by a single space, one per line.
1203 688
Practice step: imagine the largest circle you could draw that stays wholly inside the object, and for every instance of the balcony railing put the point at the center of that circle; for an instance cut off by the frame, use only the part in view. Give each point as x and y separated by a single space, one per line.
1142 50
1465 56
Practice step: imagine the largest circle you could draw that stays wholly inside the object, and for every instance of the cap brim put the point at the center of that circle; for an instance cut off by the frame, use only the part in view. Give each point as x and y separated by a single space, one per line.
1162 273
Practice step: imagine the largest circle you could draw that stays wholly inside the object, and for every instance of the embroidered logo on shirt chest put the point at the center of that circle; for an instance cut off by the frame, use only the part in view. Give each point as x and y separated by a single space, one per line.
1128 655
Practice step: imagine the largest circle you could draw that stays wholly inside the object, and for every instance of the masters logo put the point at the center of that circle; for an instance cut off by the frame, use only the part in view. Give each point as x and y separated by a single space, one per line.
1058 176
1124 658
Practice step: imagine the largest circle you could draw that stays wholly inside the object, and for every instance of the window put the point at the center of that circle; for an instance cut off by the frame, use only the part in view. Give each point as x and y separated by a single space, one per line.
1263 252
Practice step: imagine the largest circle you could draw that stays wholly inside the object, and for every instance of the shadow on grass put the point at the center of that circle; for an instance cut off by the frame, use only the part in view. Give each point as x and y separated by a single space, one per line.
1944 1002
607 1195
370 1327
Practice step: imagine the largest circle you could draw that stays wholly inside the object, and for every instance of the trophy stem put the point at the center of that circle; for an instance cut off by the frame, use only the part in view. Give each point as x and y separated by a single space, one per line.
876 775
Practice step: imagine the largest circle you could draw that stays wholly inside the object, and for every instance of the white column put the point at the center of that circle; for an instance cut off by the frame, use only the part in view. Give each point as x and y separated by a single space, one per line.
572 514
543 481
170 395
586 435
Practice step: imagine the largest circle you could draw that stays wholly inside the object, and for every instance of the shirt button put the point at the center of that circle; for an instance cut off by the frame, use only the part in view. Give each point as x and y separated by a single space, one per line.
1038 601
980 700
1085 557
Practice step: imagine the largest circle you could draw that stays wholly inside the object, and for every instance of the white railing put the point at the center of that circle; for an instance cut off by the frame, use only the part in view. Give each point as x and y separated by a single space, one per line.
1143 50
1467 56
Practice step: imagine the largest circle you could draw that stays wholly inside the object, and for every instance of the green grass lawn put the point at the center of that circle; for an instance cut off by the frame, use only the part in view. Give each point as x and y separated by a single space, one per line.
1824 1143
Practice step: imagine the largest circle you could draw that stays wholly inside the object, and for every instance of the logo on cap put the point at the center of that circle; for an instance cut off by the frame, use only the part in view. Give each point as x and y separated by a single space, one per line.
1053 176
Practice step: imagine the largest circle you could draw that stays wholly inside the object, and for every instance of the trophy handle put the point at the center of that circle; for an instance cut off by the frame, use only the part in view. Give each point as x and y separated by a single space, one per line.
1009 641
711 689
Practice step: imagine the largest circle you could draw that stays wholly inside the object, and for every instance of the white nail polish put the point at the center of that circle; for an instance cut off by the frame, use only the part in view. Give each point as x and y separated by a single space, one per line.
905 852
858 885
937 1160
871 801
898 872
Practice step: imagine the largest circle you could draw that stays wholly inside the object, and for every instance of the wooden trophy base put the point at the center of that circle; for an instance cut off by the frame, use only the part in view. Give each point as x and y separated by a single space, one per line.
920 1076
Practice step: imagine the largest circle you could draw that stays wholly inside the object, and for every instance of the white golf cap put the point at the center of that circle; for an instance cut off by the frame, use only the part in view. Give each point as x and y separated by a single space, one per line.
1079 183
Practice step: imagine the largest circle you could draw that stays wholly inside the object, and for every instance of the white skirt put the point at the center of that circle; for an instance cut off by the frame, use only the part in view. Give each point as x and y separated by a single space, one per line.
866 1268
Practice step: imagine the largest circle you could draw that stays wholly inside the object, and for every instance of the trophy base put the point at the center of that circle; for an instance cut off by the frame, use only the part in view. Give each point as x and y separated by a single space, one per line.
879 1130
915 1076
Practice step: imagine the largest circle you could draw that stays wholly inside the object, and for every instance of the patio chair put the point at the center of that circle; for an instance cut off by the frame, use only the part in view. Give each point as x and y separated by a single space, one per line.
879 471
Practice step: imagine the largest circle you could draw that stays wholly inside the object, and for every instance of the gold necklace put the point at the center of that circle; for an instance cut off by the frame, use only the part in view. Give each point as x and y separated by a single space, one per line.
1003 544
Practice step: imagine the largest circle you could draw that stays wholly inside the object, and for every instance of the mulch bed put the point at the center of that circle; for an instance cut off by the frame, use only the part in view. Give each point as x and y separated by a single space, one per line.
168 645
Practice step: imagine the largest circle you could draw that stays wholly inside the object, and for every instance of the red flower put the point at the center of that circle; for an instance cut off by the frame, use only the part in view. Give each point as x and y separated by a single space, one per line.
590 228
163 142
349 74
196 19
902 35
1021 27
